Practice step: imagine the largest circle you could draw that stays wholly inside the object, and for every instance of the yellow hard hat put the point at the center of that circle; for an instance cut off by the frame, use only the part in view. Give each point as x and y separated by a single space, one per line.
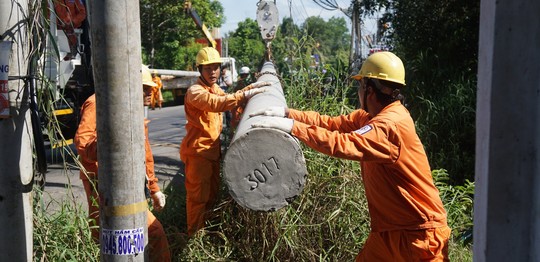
146 76
208 55
383 66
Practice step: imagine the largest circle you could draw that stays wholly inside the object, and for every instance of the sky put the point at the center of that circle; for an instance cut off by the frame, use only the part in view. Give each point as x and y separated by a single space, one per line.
238 10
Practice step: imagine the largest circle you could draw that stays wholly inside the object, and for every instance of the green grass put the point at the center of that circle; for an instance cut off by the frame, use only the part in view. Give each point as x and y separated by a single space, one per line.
328 221
64 234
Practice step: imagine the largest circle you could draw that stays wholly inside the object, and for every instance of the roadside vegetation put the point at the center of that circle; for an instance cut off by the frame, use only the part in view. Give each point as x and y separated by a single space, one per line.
329 220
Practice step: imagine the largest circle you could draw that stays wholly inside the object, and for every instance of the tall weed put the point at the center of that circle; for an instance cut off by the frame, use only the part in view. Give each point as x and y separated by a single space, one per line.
442 102
63 234
328 221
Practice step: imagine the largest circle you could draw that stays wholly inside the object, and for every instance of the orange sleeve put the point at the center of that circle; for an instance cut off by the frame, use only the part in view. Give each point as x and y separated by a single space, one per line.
86 135
159 83
86 140
204 100
376 141
344 123
149 157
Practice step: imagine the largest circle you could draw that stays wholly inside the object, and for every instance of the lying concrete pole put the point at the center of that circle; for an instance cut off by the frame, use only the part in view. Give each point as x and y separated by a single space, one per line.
116 56
264 168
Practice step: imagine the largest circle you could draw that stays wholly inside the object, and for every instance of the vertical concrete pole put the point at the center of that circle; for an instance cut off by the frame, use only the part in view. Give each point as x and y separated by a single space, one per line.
264 168
116 55
507 197
15 137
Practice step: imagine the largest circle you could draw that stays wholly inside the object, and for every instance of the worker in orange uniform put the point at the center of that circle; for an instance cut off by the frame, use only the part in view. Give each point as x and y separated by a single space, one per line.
201 149
71 14
86 141
244 78
408 219
157 96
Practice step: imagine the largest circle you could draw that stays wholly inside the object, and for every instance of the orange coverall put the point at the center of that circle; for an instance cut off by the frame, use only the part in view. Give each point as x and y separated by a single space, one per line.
71 14
86 143
408 219
201 148
157 97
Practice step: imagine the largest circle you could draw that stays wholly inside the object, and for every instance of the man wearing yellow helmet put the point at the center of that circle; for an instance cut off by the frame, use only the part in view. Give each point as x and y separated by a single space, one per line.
408 219
86 141
201 150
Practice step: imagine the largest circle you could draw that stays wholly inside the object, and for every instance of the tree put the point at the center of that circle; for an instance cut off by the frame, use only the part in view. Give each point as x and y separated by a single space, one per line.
331 37
168 34
284 46
246 44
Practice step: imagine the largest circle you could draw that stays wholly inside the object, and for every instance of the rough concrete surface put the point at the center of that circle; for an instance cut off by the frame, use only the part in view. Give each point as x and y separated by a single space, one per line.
264 168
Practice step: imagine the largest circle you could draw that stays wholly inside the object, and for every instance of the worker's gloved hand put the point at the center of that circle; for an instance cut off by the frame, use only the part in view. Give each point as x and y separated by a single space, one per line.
283 124
250 93
158 200
257 85
278 111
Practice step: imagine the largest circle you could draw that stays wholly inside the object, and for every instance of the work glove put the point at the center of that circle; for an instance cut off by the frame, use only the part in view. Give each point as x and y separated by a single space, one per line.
277 111
250 93
158 200
283 124
256 85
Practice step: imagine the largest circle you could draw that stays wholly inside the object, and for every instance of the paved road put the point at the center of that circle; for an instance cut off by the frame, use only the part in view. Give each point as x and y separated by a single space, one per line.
166 131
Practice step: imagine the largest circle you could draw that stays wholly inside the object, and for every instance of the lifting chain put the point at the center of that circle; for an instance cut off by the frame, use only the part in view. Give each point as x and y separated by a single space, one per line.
257 75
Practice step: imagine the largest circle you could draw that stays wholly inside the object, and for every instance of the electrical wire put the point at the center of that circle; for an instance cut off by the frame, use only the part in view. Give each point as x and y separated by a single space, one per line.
330 5
304 8
297 13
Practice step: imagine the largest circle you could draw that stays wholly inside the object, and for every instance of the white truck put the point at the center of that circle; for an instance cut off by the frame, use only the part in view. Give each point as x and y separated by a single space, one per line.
178 81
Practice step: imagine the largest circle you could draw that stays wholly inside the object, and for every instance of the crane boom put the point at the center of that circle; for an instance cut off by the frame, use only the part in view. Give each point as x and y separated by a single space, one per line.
200 25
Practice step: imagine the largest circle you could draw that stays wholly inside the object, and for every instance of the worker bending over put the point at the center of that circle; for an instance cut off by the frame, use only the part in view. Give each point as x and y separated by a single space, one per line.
86 141
201 147
408 219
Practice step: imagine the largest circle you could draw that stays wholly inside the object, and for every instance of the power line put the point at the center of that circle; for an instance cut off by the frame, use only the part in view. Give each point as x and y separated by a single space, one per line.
304 8
298 13
329 5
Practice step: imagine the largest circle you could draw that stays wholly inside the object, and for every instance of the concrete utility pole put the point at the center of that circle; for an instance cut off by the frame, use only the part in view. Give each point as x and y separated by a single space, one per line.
15 136
116 56
507 196
264 168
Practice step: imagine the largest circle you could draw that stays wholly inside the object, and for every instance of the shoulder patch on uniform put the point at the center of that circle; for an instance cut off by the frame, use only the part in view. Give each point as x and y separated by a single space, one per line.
364 129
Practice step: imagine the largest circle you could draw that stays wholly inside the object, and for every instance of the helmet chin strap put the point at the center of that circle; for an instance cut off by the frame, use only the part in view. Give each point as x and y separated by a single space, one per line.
364 103
363 85
202 78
